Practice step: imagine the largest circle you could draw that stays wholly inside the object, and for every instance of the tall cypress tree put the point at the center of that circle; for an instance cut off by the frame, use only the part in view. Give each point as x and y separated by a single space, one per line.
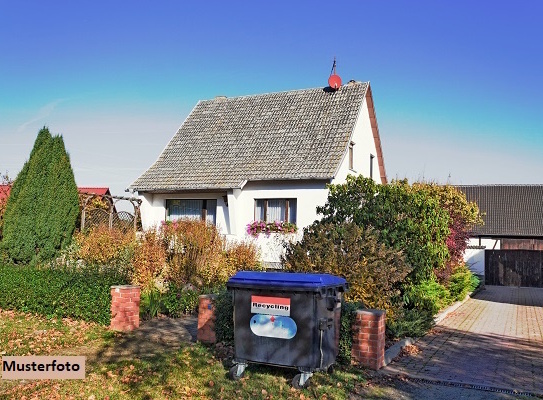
41 217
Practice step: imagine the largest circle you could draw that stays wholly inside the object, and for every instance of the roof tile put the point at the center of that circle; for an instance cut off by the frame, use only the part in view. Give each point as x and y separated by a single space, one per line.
301 134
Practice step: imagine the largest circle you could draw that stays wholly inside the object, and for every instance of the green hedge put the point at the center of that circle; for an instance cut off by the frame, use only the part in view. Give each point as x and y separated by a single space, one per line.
79 294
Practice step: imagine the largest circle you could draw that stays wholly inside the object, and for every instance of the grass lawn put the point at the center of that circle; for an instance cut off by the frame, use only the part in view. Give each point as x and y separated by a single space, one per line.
192 372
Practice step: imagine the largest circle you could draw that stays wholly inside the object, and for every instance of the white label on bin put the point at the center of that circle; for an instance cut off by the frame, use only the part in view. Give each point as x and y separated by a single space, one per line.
270 305
275 326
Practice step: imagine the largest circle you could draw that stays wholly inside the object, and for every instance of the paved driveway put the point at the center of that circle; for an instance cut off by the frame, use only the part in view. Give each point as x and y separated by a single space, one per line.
493 340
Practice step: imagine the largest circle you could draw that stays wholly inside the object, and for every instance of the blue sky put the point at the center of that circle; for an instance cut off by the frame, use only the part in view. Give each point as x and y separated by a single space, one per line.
457 85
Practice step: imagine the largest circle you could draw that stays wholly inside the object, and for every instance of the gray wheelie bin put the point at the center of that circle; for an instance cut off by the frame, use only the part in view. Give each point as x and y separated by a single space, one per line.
286 319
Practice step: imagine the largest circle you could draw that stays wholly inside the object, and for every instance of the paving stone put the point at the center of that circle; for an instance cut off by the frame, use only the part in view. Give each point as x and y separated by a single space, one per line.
493 339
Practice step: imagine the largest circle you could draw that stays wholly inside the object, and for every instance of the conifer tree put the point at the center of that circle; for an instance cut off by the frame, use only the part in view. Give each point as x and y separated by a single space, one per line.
42 209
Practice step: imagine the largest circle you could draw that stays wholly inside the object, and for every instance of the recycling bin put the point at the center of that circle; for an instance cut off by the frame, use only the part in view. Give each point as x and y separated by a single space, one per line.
286 319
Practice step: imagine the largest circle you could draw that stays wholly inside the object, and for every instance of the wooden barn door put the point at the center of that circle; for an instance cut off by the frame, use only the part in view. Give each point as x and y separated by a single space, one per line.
514 268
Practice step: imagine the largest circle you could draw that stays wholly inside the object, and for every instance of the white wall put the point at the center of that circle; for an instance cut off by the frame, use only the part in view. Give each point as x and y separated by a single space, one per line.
364 145
475 258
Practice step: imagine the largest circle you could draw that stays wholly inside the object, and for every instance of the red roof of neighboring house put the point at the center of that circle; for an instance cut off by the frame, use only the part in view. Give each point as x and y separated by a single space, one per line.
5 189
95 190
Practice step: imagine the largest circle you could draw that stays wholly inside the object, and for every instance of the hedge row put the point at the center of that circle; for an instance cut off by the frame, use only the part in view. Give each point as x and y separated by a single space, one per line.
78 294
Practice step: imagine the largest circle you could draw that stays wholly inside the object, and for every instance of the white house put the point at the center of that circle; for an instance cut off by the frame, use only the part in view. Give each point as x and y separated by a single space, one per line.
266 157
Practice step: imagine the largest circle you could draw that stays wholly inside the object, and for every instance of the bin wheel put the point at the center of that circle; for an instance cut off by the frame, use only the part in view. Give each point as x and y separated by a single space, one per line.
330 369
233 373
296 382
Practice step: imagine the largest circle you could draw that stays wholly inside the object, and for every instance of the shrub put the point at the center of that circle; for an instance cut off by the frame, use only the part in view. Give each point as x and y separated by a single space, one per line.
198 255
241 256
224 314
410 323
460 283
103 246
374 272
404 219
475 282
63 292
43 206
149 261
348 315
178 301
428 296
194 253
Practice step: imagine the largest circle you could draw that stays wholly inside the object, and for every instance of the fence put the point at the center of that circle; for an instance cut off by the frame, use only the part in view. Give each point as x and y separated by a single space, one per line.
99 210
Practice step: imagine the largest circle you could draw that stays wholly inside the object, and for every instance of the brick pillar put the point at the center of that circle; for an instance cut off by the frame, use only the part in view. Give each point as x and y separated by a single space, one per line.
206 319
369 338
125 308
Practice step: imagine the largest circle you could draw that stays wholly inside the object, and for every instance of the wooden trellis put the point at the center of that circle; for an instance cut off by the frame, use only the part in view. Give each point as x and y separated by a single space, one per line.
106 213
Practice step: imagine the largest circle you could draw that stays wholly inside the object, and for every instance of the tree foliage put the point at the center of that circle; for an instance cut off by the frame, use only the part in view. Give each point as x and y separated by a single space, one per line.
463 215
374 271
43 206
404 219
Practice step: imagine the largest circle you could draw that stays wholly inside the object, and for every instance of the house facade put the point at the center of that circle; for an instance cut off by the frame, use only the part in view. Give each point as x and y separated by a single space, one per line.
264 158
510 241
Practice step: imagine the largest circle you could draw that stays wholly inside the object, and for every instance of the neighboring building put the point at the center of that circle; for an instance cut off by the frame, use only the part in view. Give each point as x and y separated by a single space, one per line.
98 191
4 192
265 157
513 220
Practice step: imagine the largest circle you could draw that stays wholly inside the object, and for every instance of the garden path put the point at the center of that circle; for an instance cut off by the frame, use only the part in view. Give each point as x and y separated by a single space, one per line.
153 338
494 339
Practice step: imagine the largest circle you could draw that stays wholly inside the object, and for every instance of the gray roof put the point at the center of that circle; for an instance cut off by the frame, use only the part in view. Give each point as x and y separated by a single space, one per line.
511 210
299 134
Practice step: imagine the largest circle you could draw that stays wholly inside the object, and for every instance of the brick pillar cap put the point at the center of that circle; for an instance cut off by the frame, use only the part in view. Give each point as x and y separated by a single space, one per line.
125 287
208 296
371 312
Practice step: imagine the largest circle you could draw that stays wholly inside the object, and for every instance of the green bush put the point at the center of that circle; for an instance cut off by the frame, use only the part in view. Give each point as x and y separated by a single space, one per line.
403 218
460 283
411 323
63 292
348 315
374 271
474 282
178 301
224 317
428 296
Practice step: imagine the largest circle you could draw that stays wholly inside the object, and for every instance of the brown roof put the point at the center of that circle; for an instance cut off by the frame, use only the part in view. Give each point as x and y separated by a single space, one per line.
299 134
511 210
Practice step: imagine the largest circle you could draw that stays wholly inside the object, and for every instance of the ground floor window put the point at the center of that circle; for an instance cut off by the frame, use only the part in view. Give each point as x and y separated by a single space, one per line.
205 209
271 210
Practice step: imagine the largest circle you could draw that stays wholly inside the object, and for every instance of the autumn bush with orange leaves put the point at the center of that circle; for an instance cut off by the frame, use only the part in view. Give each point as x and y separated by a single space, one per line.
103 246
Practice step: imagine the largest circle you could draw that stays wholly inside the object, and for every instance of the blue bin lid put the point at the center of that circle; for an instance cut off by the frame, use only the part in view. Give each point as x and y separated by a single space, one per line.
286 280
